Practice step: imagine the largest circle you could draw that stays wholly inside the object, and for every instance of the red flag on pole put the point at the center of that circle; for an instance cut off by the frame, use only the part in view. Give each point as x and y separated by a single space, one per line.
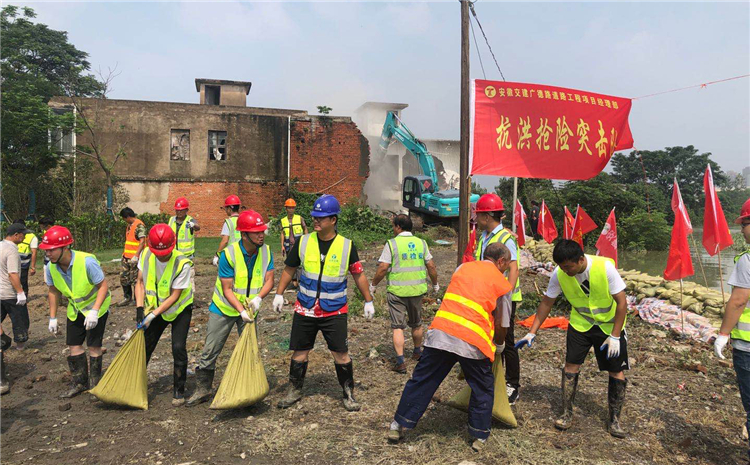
568 224
606 246
519 216
469 251
679 262
583 224
678 207
716 236
546 227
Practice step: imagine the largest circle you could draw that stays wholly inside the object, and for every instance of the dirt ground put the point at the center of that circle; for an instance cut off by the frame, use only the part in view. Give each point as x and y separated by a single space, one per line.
682 405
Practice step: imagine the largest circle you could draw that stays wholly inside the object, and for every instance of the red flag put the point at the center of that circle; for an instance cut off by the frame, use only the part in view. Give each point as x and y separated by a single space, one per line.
679 262
519 216
546 227
678 207
469 252
568 224
606 246
583 224
716 236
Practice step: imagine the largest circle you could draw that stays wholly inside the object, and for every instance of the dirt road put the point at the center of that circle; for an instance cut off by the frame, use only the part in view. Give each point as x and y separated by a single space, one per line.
675 412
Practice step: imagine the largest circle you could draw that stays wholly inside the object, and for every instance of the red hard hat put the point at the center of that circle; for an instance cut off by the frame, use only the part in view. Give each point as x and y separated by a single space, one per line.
744 213
251 221
489 203
231 201
181 204
161 240
55 237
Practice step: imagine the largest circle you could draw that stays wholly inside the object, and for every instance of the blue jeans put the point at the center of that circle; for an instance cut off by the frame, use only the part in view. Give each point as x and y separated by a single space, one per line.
431 370
742 368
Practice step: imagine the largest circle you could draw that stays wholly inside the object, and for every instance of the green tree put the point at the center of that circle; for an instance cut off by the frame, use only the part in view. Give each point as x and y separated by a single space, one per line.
324 109
477 189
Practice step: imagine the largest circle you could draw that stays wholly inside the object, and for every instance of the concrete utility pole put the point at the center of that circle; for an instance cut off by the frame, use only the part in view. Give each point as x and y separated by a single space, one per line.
465 186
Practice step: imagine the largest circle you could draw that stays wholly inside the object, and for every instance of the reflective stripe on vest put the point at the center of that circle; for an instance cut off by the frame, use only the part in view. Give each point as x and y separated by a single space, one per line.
156 293
742 329
24 250
83 295
185 236
234 235
408 274
236 260
503 236
332 277
296 225
131 242
598 308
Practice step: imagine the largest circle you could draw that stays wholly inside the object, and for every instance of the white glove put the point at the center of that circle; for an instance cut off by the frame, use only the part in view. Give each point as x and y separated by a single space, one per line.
190 224
499 349
369 310
52 325
372 289
134 259
149 318
92 319
719 344
246 316
256 302
613 347
278 303
216 260
436 288
528 339
21 298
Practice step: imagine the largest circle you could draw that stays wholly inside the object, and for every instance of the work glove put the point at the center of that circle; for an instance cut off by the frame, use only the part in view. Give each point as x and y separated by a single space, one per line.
146 321
52 325
134 259
372 289
139 314
278 303
528 339
246 316
719 344
500 348
369 310
190 224
216 260
613 347
92 319
21 298
436 288
255 303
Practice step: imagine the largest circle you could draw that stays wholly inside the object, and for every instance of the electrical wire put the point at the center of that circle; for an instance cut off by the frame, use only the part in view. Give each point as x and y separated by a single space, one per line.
474 13
476 44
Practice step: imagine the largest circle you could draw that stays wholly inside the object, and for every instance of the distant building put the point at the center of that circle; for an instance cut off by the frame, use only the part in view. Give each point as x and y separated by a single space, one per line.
746 175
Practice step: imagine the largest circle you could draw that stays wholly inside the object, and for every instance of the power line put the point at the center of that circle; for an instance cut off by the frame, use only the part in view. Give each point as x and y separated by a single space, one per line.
477 46
474 13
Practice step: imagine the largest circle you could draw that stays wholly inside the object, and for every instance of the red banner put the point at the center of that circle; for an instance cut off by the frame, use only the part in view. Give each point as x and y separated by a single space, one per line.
535 131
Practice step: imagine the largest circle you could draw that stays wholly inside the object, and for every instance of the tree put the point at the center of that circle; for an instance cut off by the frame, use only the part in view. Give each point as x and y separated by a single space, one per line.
324 110
477 189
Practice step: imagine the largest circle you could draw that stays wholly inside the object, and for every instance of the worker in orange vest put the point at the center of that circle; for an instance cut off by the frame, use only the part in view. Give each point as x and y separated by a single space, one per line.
135 241
462 331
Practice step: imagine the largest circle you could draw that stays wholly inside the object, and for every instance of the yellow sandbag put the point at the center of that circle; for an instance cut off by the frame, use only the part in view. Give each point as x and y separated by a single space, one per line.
649 291
500 408
125 382
244 382
688 301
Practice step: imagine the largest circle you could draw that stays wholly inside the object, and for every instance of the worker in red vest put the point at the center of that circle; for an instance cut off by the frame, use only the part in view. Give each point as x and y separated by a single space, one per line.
462 331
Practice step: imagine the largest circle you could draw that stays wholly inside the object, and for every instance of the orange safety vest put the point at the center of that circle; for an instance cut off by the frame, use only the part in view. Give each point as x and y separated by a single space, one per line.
469 303
131 243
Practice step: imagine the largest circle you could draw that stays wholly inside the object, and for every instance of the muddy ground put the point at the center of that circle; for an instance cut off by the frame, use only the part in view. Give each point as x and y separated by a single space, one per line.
682 405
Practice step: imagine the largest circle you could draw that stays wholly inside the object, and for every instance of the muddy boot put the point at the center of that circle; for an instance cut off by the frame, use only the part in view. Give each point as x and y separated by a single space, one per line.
345 374
203 387
297 371
616 398
95 371
79 372
178 393
4 384
127 293
569 388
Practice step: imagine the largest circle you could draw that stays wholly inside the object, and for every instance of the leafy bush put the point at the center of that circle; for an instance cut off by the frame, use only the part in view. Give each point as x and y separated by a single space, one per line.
641 231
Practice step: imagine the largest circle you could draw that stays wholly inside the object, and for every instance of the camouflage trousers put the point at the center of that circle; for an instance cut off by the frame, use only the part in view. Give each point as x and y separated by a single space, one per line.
128 272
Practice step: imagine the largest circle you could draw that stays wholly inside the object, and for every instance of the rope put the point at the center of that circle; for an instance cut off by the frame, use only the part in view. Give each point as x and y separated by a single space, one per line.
476 44
473 12
690 87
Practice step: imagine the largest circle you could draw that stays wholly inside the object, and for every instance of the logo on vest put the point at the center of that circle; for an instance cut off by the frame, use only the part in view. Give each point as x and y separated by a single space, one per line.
412 246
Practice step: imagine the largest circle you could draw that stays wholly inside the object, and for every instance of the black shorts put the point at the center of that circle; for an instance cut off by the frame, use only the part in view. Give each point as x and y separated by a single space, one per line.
75 332
305 330
578 345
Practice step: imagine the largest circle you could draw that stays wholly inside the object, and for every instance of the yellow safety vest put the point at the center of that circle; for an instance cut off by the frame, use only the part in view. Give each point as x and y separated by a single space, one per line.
503 236
185 236
158 292
83 295
408 274
332 275
742 328
234 235
236 260
297 229
24 250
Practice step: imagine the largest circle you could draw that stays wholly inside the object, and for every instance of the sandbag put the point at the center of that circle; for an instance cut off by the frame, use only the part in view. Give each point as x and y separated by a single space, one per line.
712 310
671 285
125 382
714 303
501 407
640 297
696 308
649 291
244 382
659 290
688 301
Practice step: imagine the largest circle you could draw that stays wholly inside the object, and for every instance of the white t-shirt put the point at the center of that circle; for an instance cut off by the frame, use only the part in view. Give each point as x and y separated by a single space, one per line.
386 257
616 284
34 243
740 277
182 281
10 262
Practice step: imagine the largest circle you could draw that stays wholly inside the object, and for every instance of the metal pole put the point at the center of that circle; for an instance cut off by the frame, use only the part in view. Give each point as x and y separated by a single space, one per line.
464 187
515 199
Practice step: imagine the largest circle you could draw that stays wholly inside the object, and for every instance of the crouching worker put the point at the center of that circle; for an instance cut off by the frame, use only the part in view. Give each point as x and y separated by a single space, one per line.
164 285
245 275
462 331
79 277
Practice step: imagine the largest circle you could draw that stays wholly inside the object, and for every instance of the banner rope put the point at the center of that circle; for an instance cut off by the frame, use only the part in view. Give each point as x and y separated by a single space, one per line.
702 86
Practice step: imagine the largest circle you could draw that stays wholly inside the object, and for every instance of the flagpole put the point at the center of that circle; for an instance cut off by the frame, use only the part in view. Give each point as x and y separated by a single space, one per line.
700 261
682 312
515 198
721 281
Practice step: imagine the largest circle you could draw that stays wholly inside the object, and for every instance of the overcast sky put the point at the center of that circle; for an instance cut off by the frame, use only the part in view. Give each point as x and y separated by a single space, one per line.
300 55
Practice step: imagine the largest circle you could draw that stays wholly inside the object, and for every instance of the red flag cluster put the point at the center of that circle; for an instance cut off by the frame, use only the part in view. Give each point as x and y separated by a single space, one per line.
679 262
519 216
546 226
581 225
606 246
716 235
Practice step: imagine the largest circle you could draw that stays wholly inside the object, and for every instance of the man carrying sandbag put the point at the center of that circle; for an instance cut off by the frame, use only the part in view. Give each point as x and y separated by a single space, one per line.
462 331
164 283
245 275
79 277
596 293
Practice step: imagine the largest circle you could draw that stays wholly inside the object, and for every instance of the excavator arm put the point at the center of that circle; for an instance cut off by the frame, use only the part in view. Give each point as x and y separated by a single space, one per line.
394 127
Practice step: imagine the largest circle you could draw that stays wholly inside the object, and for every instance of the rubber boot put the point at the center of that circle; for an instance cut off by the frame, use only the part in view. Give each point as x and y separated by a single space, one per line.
79 372
569 388
203 387
95 371
616 397
178 394
297 371
127 294
4 384
345 373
